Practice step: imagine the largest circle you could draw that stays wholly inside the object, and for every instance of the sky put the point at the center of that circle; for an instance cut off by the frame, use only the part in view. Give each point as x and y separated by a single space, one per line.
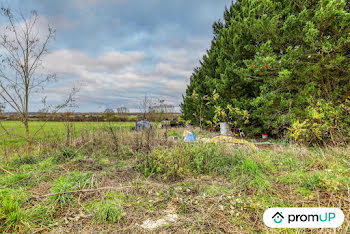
118 51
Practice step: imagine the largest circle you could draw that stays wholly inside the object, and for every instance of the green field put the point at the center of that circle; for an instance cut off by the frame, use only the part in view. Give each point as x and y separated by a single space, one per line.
50 130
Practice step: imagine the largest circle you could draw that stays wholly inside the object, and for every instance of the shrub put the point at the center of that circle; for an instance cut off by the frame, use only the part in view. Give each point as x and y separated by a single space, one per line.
324 123
186 159
240 165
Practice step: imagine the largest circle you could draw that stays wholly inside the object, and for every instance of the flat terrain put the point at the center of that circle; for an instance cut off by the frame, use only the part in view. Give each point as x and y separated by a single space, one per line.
142 182
50 130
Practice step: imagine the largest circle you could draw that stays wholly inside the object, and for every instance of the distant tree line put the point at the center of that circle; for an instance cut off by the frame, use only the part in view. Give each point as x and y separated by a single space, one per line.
90 117
277 67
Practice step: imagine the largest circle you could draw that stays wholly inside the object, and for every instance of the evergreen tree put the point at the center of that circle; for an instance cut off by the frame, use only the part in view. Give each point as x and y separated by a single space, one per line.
278 60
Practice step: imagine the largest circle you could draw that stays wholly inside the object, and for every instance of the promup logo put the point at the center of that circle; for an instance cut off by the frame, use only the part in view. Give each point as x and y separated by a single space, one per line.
278 217
303 217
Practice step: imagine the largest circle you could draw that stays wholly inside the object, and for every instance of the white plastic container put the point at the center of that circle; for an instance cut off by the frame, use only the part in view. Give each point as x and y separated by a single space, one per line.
225 129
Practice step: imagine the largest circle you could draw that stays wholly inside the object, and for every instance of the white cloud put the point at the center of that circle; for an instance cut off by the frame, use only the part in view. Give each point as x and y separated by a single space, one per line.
121 78
178 63
110 74
61 22
172 69
75 61
88 3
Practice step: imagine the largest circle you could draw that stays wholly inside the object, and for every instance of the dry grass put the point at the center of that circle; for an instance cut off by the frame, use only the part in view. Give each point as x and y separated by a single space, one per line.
211 201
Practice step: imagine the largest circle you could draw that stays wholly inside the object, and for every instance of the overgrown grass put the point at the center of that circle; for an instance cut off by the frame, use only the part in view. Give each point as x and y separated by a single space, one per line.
13 218
211 187
69 182
108 209
187 159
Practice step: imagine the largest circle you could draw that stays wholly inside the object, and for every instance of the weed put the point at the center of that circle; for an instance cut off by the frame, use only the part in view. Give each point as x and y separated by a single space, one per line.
222 188
68 153
183 160
46 165
250 167
71 181
28 159
18 180
312 182
12 216
173 133
40 215
183 209
109 210
215 189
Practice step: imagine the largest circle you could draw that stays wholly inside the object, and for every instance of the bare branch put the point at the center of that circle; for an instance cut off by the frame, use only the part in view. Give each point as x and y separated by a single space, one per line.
3 169
7 131
23 48
17 108
10 17
68 101
81 191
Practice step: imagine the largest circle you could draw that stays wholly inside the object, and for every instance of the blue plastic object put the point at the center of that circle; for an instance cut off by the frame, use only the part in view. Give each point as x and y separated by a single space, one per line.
190 137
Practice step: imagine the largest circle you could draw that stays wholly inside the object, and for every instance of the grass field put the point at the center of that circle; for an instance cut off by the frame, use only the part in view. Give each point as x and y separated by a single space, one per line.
50 130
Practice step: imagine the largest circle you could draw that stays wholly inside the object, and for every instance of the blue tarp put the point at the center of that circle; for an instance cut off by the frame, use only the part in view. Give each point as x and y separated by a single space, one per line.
143 124
190 137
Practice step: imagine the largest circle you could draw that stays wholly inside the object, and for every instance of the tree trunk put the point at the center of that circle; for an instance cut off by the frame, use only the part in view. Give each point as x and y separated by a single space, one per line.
28 138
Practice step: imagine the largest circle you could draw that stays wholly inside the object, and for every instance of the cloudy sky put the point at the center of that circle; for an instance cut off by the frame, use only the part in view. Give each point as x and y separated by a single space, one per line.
118 51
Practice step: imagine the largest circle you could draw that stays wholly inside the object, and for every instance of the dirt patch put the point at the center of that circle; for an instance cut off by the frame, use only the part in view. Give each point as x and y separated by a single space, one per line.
164 221
41 189
115 177
85 165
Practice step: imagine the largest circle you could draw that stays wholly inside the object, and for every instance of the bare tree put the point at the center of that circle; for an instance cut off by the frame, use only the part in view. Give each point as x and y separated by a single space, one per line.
122 110
22 47
108 114
161 109
146 106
